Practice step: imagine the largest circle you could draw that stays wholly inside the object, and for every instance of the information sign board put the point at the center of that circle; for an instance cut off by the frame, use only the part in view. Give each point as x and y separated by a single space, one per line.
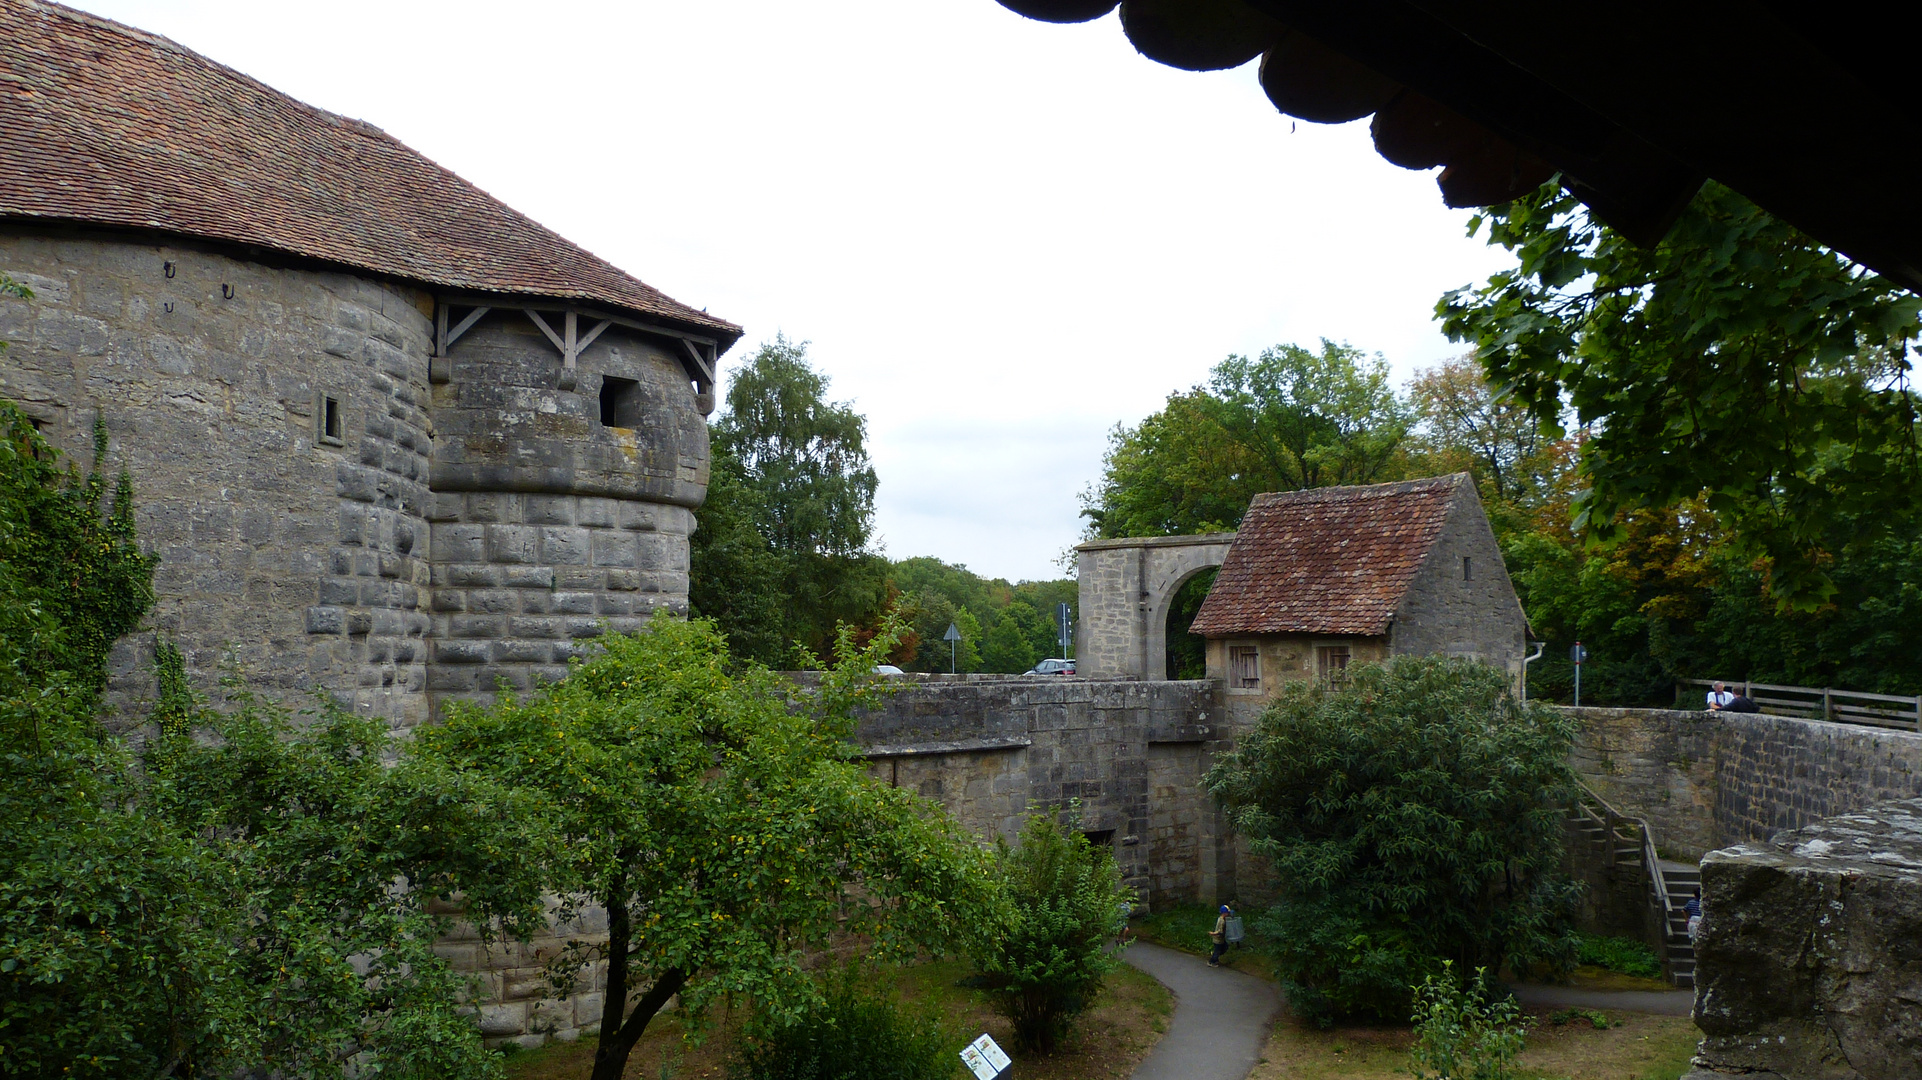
984 1058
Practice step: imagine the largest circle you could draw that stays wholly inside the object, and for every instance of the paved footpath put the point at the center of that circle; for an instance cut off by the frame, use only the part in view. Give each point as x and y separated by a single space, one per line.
1221 1019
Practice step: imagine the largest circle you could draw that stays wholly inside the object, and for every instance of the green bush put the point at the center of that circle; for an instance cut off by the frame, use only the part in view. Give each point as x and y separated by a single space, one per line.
1460 1034
855 1032
224 902
1044 967
1619 954
1413 816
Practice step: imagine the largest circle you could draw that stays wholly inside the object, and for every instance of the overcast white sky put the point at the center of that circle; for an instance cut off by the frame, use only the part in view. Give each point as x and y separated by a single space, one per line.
1002 237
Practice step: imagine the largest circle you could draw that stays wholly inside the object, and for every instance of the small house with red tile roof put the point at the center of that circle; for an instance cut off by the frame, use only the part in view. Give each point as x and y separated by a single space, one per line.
1316 580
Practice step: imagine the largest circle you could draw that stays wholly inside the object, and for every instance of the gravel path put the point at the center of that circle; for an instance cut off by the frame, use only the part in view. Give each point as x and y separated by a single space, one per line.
1221 1017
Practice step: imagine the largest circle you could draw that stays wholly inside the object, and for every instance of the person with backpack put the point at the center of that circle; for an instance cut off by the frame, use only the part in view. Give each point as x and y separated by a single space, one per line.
1227 933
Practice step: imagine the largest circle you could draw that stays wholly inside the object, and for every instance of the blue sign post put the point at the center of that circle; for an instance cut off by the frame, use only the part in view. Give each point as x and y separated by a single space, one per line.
1578 655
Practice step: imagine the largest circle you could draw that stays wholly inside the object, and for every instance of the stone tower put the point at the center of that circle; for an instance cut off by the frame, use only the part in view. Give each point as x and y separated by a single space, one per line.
390 438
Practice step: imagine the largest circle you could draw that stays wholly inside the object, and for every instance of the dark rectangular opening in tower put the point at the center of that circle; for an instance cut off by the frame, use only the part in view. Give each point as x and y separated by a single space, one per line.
330 423
620 402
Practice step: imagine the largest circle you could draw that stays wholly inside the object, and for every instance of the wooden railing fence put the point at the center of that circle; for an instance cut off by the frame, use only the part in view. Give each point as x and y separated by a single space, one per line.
1624 833
1811 703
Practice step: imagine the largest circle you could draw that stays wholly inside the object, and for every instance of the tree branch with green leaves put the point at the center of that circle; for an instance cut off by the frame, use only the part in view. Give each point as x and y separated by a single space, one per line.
1737 361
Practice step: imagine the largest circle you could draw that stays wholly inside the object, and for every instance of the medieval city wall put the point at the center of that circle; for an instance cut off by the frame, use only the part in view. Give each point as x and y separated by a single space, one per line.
1132 752
1710 780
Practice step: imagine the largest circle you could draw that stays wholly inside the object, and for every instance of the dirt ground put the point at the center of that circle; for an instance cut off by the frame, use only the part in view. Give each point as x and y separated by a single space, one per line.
1636 1046
1109 1040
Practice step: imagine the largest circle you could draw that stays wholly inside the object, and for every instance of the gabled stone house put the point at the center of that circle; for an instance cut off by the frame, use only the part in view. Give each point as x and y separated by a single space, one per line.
1316 580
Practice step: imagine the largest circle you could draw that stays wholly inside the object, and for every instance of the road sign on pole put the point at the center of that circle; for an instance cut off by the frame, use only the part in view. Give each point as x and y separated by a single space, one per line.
1579 656
953 635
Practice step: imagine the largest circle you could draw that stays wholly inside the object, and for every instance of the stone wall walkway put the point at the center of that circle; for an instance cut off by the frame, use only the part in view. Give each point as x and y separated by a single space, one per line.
1221 1017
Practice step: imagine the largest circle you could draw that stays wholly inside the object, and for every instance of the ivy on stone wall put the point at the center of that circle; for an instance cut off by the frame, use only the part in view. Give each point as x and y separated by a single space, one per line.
72 567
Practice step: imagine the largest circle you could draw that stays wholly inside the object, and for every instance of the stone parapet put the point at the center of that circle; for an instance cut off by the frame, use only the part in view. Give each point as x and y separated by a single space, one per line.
1132 753
1705 780
1809 961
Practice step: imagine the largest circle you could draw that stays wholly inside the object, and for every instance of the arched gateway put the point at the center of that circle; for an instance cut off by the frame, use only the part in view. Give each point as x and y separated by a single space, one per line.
1126 587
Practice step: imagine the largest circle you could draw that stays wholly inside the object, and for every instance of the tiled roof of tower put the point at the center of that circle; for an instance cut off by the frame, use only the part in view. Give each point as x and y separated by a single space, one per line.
103 124
1326 560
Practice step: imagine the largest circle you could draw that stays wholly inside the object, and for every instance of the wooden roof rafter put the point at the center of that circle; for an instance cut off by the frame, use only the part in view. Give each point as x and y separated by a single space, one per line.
698 356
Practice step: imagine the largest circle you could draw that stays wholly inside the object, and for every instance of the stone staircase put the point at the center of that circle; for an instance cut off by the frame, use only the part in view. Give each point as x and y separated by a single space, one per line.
1630 848
1684 881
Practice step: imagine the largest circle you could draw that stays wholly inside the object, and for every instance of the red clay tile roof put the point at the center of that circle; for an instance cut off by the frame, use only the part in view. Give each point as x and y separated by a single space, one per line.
1328 560
104 124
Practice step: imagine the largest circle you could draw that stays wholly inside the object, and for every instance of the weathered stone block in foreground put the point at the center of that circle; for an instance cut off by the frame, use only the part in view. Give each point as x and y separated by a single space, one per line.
1809 964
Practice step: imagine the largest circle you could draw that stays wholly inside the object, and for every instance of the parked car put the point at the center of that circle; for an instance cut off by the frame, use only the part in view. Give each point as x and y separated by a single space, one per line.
887 669
1052 667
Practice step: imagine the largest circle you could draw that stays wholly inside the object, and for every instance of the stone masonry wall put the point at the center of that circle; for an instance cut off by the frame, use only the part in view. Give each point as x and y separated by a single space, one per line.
445 538
1132 752
523 582
1707 780
297 559
513 1001
1456 610
1126 587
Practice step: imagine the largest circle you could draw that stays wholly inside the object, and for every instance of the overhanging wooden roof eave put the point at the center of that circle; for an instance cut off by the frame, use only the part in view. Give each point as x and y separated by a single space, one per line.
1796 108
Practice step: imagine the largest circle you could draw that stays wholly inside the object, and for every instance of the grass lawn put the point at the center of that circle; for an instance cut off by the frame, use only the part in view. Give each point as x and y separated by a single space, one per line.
1109 1040
1637 1046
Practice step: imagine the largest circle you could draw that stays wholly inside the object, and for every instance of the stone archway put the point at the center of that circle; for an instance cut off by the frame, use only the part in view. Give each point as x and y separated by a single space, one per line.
1126 587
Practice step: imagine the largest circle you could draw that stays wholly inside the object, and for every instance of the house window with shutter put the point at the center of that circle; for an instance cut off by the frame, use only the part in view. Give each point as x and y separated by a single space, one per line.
1331 662
1244 667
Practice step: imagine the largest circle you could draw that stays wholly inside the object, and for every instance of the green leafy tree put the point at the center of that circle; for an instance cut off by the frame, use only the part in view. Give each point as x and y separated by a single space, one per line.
1466 425
1019 638
793 467
1736 361
228 902
1412 815
1047 964
1176 472
1015 623
722 822
1286 420
737 578
967 651
806 455
1312 419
